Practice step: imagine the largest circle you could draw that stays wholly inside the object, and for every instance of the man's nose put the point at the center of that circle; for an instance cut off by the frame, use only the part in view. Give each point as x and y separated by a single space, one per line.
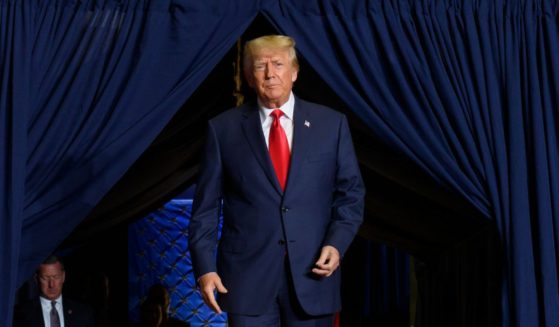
269 70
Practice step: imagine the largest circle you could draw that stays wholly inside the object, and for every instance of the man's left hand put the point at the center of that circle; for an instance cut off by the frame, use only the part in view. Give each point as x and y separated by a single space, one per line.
328 262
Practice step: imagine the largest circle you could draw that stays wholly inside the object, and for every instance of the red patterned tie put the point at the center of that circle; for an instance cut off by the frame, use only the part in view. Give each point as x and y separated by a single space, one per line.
279 148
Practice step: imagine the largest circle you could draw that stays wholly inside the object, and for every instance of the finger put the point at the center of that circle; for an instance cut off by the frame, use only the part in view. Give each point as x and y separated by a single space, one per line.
205 292
328 265
331 264
210 301
220 287
325 270
324 255
321 272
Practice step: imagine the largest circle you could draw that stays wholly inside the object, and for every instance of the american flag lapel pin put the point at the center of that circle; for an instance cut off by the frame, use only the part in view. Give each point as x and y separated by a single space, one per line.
307 123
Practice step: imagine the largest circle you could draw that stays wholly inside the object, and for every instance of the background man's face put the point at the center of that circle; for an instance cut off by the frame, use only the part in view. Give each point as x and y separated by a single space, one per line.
272 76
51 279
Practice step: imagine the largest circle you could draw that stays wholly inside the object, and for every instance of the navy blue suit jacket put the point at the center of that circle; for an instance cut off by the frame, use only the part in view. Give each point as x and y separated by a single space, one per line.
322 205
30 314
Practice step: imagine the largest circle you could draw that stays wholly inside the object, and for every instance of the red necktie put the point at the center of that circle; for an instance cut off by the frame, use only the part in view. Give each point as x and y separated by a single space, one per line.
279 148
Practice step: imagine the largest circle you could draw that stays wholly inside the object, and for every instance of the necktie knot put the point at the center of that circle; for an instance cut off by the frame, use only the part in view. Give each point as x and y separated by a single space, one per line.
276 114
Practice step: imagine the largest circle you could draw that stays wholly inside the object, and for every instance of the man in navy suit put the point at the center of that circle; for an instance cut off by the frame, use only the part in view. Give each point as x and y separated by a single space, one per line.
285 174
50 309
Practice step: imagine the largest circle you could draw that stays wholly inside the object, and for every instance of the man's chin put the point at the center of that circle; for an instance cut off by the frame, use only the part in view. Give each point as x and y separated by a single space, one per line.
272 97
51 297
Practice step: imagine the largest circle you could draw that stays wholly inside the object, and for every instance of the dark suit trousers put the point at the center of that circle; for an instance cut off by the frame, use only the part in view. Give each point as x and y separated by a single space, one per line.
286 311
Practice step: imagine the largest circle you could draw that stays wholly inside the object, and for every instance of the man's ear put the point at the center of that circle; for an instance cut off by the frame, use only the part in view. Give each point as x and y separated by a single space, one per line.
294 75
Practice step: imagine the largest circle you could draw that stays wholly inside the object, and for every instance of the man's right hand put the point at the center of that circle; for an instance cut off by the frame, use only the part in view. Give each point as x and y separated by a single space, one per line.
209 282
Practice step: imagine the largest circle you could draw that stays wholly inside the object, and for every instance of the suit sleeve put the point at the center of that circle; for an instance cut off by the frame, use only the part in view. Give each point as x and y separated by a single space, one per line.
349 194
202 238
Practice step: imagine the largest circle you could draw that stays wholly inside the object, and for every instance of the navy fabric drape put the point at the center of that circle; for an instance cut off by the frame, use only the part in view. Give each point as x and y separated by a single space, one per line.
469 91
85 87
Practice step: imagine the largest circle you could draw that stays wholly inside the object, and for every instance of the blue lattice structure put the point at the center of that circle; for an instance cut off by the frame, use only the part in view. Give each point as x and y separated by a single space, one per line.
158 253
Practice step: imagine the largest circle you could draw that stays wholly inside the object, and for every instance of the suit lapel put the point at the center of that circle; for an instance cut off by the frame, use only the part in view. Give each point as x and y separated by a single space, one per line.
252 128
68 313
38 313
301 141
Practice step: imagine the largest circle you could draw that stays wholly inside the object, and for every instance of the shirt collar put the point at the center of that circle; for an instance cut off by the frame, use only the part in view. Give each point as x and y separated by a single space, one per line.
287 108
46 302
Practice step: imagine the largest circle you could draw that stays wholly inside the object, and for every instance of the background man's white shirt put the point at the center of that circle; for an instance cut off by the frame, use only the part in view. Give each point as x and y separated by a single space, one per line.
46 305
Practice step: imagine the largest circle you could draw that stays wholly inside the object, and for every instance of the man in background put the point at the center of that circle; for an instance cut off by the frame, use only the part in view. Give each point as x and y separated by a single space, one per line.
51 309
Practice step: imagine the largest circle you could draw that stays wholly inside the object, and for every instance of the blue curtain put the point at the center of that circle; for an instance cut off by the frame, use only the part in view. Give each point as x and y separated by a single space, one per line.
469 91
85 86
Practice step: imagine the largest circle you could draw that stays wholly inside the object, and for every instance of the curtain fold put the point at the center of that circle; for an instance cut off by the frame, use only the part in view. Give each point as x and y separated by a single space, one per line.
88 85
467 90
168 166
14 99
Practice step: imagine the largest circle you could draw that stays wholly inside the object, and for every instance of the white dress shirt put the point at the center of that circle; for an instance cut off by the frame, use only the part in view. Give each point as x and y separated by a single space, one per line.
46 305
286 120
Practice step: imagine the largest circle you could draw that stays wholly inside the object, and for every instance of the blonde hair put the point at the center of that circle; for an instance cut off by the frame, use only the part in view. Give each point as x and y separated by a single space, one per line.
274 42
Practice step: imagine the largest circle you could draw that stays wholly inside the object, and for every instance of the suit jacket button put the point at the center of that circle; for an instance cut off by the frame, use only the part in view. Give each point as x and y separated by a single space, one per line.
281 242
284 209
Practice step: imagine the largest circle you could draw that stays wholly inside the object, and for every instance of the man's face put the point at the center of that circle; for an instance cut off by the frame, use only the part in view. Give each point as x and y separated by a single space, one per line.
51 278
272 76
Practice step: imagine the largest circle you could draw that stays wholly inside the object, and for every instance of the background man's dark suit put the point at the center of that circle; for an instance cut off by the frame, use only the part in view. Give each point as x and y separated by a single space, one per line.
76 314
322 205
